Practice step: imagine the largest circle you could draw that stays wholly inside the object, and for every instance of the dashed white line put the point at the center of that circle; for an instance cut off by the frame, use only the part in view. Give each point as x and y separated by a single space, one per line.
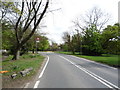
103 81
26 86
36 84
41 74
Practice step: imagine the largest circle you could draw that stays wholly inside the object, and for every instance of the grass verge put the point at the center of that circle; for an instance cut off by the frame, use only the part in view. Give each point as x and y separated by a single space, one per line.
112 60
25 61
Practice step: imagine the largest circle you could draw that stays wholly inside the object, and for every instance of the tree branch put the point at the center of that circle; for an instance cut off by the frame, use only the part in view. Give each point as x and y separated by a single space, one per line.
39 20
18 21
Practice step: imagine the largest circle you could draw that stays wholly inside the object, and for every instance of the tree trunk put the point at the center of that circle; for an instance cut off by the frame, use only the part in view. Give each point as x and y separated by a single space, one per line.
16 55
33 51
80 51
73 51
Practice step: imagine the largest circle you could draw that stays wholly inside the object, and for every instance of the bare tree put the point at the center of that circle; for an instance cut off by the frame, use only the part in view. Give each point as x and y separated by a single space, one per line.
7 9
91 25
68 39
35 12
28 16
94 17
78 41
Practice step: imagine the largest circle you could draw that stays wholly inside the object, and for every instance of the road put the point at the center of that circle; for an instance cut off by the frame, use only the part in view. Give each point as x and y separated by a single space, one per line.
67 71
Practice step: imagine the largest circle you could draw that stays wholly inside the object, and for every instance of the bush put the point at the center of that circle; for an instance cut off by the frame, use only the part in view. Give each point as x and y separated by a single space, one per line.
88 51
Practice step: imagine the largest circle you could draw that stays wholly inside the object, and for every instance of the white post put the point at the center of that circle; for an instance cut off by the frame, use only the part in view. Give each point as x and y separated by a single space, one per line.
119 12
37 41
36 47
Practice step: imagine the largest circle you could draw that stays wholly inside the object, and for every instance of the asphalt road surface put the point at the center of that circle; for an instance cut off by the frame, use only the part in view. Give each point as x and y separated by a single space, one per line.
67 71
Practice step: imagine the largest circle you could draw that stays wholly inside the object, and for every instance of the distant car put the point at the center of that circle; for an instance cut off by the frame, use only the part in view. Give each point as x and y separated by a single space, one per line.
3 51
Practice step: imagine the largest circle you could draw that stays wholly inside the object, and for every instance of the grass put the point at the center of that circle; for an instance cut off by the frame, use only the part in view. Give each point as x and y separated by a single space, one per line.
105 58
110 60
25 61
68 53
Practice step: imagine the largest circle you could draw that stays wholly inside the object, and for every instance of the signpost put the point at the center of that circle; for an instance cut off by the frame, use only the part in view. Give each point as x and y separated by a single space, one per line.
37 41
119 12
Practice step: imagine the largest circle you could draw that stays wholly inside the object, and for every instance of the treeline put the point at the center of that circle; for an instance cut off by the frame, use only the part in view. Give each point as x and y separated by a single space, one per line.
90 38
9 40
94 42
20 21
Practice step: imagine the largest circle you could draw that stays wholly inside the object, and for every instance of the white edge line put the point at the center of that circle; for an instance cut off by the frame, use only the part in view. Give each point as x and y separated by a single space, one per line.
94 75
36 84
103 79
41 74
26 86
94 62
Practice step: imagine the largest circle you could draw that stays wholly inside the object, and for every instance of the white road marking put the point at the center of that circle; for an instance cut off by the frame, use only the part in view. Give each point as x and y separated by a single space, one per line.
41 74
95 62
26 86
96 77
103 81
36 84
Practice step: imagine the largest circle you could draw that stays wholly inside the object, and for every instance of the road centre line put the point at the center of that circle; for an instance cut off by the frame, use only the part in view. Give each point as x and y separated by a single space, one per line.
103 81
94 62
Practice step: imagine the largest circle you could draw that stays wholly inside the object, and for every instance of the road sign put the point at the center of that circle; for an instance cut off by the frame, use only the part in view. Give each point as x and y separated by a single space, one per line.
37 39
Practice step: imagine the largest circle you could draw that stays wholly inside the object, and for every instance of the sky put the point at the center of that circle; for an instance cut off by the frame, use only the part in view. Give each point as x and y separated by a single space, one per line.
60 20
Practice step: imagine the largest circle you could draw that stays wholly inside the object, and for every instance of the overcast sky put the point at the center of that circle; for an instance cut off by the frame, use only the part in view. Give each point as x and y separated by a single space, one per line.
61 20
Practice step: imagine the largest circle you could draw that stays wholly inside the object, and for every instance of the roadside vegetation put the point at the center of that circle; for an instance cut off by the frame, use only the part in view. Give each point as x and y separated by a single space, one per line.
21 34
92 39
20 22
25 61
109 59
92 36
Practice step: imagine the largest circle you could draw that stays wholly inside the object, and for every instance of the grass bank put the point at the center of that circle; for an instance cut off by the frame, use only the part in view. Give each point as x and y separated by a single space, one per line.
25 61
112 60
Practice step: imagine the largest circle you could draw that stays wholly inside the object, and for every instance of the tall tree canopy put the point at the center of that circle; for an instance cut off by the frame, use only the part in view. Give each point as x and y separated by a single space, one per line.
111 39
28 15
90 26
